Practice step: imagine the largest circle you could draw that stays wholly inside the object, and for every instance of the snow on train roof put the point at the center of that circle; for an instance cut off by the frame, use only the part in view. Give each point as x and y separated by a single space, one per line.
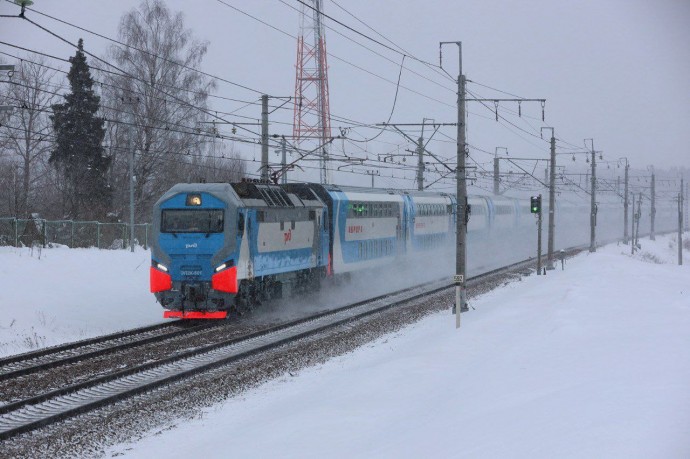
219 189
436 199
211 187
378 195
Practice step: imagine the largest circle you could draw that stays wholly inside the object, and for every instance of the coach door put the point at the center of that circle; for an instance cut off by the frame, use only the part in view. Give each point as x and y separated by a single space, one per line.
402 227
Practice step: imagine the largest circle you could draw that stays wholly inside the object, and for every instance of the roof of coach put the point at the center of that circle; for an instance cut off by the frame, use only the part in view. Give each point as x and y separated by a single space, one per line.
357 192
361 189
427 193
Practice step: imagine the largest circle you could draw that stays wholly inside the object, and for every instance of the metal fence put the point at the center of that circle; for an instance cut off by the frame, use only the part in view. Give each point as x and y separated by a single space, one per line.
19 232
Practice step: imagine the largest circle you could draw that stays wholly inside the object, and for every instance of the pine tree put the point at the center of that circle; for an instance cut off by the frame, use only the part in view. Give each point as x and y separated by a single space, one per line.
79 153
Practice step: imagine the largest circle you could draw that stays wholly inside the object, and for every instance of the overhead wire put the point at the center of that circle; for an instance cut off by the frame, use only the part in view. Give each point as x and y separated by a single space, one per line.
352 122
341 119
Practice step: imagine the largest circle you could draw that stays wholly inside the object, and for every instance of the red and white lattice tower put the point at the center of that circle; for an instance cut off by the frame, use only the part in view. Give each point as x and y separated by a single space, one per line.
312 116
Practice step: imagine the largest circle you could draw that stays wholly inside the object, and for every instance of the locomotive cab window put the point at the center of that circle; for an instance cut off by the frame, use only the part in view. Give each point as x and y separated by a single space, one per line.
192 221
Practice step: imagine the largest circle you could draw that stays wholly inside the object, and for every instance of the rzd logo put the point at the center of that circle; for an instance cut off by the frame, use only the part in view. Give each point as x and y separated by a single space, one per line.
287 236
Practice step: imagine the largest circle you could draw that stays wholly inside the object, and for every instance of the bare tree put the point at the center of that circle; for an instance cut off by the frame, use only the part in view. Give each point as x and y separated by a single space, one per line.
156 104
221 164
27 130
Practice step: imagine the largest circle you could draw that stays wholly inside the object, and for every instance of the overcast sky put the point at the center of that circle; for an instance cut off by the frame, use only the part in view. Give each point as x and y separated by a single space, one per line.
613 70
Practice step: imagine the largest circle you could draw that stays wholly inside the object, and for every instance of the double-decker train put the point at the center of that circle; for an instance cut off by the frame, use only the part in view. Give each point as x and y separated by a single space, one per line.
220 247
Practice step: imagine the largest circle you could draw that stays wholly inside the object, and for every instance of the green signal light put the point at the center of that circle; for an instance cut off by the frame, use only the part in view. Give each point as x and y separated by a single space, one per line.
535 204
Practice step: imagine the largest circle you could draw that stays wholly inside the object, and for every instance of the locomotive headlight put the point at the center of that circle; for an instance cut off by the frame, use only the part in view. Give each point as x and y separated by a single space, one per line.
227 264
193 200
161 267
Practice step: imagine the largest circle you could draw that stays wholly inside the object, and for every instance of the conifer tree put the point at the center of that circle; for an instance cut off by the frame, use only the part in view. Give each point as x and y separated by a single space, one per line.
79 153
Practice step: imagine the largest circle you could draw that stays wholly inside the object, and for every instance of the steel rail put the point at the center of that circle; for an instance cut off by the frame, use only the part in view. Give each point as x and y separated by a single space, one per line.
54 357
81 343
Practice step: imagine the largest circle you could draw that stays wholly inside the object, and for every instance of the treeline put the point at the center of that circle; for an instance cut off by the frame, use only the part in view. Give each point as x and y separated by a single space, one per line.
66 146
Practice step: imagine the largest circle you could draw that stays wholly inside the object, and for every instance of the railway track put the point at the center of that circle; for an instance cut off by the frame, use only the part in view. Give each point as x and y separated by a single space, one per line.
52 357
46 408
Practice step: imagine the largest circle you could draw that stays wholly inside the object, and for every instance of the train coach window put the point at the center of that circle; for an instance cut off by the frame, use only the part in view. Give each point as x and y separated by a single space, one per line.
192 221
292 224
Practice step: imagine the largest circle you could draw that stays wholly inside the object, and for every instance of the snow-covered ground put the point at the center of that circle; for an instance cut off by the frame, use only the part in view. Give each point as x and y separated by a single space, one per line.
590 361
593 361
49 296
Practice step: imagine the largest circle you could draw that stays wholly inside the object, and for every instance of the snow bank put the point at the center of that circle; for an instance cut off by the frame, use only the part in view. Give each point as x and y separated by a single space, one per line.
49 296
593 361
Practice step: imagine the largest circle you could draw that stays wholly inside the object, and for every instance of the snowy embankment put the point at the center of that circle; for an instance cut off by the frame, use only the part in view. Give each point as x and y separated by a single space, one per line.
49 296
593 361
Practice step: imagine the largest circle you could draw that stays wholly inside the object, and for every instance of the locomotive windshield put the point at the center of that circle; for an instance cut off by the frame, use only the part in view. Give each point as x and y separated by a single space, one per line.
192 221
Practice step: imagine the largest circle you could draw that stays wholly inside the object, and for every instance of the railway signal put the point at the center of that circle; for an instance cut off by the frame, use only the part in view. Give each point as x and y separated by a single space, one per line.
535 206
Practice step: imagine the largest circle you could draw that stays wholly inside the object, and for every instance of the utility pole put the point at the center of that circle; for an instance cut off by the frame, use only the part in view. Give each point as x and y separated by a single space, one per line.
593 206
283 161
421 147
131 101
264 138
685 214
653 212
625 206
552 200
420 162
373 174
497 178
632 227
15 173
496 172
131 196
680 224
461 194
638 217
